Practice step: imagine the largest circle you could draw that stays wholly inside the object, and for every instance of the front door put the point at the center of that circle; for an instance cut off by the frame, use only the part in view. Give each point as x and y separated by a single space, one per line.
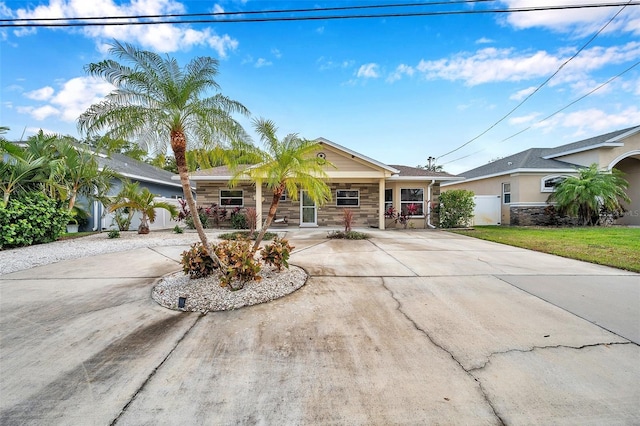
308 210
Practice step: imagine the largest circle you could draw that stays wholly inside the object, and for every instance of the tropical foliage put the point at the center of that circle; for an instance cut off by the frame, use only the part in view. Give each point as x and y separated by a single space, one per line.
60 167
590 193
456 208
156 102
284 166
143 201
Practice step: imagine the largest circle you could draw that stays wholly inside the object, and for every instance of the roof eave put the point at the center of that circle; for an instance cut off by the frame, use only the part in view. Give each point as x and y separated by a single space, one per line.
324 141
607 144
514 171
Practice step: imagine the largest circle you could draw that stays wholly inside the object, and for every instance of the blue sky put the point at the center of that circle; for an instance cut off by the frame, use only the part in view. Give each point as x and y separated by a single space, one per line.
395 89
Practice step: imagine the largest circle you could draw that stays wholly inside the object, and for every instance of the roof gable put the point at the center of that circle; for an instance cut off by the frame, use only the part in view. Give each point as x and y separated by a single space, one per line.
611 139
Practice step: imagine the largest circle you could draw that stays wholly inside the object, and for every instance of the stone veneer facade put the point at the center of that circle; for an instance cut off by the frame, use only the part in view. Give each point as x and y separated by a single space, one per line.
364 215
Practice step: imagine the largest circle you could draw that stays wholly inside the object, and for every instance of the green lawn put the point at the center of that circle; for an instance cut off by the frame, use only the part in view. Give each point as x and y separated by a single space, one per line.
611 246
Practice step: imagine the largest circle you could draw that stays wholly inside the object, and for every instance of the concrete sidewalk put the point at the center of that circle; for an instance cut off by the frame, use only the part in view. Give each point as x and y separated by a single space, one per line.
422 327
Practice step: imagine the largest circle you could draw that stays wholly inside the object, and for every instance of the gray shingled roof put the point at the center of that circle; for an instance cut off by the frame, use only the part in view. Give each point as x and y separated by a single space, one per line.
529 159
128 166
416 171
586 143
534 158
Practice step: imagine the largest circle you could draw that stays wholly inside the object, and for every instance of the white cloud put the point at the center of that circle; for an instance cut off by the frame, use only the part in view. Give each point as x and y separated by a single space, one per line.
276 53
593 120
261 62
78 94
492 65
74 97
368 71
327 64
400 71
484 40
521 94
218 9
163 38
320 30
523 119
580 21
40 113
42 94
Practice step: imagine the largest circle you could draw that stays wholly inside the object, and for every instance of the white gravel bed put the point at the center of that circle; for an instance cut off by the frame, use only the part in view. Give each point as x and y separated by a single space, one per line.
202 295
205 294
21 258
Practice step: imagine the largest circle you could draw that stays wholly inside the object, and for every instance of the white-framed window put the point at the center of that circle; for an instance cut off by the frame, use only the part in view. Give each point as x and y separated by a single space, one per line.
506 193
283 197
388 199
548 183
232 197
348 198
412 199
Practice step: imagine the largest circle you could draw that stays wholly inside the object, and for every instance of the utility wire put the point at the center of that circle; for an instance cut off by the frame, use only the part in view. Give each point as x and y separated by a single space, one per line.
544 83
109 20
554 113
254 12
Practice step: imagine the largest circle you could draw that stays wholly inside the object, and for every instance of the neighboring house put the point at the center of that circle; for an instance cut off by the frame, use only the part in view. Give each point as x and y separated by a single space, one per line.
157 180
357 182
522 182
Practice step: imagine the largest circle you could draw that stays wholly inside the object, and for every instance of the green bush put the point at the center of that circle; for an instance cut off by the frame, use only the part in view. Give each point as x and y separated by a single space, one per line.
197 263
349 235
239 221
31 218
204 219
114 233
241 265
277 253
456 208
239 235
178 230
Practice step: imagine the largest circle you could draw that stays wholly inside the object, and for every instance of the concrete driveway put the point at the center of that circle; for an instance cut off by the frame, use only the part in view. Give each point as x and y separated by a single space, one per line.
405 328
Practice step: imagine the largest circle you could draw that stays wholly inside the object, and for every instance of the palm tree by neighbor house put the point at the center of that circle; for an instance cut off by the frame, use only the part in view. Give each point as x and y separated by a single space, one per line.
284 166
156 101
591 191
143 201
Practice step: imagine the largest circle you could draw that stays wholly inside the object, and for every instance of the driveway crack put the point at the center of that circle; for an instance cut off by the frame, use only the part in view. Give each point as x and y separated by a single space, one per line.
442 348
534 348
155 370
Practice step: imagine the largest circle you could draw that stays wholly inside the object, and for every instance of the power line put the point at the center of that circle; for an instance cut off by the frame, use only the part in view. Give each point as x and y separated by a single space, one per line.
554 113
253 12
544 83
108 21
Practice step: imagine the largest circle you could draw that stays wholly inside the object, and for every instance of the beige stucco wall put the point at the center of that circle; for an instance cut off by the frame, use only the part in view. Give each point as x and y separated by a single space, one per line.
631 168
493 186
604 156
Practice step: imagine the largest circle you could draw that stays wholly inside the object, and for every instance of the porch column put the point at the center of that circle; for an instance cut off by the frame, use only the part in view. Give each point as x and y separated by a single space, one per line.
258 204
381 188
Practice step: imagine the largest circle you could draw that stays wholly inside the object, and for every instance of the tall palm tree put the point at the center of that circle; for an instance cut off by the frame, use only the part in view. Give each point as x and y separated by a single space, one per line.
586 194
144 202
286 165
155 101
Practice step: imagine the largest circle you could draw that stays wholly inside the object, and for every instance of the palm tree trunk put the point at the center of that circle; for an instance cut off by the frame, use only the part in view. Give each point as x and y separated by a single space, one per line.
272 213
178 144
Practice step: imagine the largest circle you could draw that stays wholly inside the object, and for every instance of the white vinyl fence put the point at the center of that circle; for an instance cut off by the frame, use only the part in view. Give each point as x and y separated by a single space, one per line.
163 218
487 210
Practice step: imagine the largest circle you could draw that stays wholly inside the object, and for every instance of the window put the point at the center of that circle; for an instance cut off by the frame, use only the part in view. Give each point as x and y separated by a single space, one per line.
230 197
388 199
506 193
347 198
412 201
549 183
283 197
